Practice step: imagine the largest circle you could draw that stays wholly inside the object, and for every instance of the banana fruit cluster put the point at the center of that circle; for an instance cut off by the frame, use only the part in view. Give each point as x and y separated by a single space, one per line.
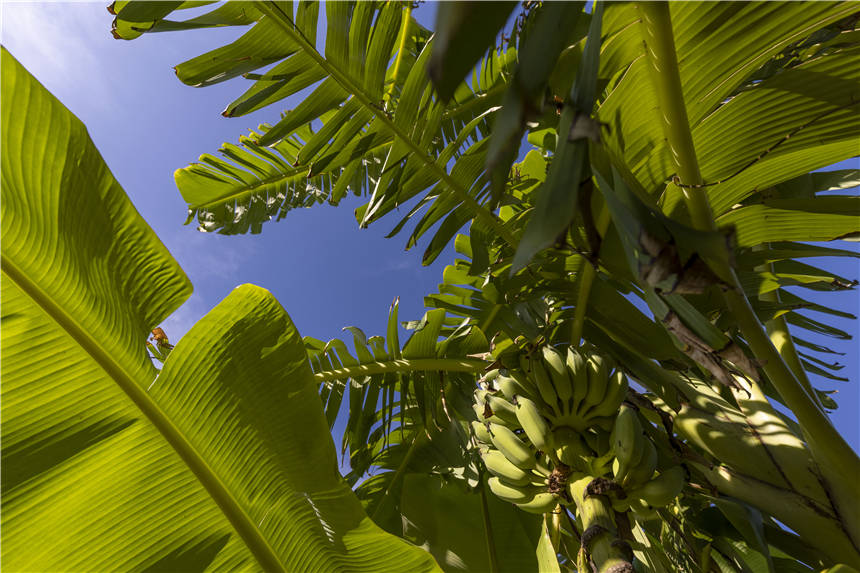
539 424
560 417
635 466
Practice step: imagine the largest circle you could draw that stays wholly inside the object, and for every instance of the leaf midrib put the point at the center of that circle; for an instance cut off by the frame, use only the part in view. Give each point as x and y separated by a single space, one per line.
350 86
297 173
256 542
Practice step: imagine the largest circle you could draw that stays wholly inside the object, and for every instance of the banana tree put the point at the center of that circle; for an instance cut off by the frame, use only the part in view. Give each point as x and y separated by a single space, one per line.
699 217
220 459
601 379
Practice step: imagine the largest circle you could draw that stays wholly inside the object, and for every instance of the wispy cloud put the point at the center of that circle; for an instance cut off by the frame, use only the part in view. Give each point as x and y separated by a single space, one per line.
204 256
54 41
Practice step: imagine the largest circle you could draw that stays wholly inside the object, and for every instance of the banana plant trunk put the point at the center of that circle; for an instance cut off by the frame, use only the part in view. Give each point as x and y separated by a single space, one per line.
837 464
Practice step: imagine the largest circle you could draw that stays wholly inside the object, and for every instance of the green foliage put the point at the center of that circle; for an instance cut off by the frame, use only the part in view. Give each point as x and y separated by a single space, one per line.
222 460
596 238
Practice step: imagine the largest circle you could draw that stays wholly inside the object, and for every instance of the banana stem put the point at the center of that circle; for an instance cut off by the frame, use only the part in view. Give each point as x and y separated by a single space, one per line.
599 532
838 463
812 522
403 365
586 279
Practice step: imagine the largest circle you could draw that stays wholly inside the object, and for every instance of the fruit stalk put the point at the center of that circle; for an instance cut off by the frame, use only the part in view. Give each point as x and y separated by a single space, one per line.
600 534
837 462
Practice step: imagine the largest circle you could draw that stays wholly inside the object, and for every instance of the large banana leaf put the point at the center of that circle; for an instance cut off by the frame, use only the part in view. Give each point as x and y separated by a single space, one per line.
221 461
716 59
383 131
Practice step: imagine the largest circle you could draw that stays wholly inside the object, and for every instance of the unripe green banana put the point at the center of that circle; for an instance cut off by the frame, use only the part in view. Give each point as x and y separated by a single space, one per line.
644 470
542 467
571 449
482 433
511 493
540 378
604 422
560 376
616 391
626 441
599 440
540 503
598 383
532 421
481 410
662 489
624 476
513 448
510 387
503 409
526 383
500 466
578 373
564 435
490 376
480 395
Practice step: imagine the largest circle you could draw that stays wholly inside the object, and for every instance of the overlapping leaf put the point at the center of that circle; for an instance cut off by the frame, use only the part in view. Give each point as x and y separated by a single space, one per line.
712 66
383 382
222 461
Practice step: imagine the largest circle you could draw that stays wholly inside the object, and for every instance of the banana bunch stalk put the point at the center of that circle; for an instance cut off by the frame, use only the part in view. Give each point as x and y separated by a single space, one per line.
601 549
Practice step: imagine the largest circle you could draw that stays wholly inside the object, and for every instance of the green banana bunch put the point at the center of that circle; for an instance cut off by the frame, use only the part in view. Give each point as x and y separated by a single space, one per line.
644 469
604 394
572 450
501 467
515 384
579 374
540 425
539 376
540 503
561 378
661 490
513 493
627 442
616 391
491 408
658 492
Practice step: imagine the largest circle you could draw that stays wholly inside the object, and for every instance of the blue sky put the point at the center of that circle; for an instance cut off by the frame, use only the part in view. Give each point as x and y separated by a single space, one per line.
325 271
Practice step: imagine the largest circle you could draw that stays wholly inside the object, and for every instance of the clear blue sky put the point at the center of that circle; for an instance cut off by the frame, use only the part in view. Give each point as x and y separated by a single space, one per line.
324 270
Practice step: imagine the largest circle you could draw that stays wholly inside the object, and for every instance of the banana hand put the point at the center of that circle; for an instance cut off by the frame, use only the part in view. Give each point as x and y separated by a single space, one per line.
561 380
513 448
626 442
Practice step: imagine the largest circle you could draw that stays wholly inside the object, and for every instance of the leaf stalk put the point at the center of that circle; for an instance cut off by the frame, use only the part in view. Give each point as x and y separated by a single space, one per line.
403 365
837 461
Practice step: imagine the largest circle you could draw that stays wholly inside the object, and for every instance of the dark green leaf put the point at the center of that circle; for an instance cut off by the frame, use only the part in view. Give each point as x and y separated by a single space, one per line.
464 30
